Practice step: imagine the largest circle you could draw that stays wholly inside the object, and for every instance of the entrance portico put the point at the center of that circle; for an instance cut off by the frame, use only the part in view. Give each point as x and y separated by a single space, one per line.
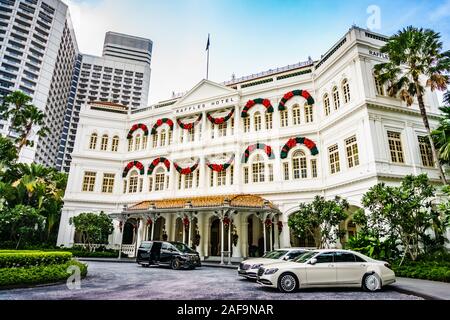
216 226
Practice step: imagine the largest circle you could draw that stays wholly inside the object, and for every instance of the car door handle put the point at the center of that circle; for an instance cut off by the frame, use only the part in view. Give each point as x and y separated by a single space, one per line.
363 265
331 265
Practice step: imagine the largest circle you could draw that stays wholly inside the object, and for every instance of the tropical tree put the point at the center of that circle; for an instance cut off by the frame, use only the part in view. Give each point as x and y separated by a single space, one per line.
94 228
416 61
320 219
441 136
446 99
23 117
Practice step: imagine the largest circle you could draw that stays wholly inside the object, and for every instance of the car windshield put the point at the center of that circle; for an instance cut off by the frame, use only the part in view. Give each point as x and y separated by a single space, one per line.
183 248
305 257
276 254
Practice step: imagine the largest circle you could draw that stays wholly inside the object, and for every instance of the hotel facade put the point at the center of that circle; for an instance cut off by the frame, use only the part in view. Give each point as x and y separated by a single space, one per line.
223 166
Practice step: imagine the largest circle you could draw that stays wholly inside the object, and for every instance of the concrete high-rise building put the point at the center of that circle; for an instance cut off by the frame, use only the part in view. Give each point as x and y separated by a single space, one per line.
38 50
120 76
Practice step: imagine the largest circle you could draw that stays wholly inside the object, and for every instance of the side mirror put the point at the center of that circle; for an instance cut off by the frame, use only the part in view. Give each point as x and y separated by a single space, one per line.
313 261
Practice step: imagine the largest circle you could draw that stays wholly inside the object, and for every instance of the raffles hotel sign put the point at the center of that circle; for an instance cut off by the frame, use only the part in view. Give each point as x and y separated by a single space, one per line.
224 102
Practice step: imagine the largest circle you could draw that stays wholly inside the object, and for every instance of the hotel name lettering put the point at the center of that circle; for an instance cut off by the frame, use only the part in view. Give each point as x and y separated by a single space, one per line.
379 54
201 106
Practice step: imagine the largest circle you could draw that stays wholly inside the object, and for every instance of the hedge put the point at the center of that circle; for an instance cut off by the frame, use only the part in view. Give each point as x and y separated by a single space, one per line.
38 274
436 271
25 258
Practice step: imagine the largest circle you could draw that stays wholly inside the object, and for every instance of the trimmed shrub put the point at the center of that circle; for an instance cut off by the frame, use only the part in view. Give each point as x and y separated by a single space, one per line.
38 274
28 258
431 270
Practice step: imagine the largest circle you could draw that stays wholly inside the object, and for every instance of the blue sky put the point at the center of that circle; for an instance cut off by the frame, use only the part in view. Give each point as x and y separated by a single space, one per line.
247 36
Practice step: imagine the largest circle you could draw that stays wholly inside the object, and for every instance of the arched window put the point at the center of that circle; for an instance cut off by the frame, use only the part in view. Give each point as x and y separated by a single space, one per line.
326 104
133 182
104 144
162 137
93 141
308 113
258 169
137 142
257 118
336 100
144 142
246 124
346 90
115 144
299 167
379 86
159 179
296 114
155 140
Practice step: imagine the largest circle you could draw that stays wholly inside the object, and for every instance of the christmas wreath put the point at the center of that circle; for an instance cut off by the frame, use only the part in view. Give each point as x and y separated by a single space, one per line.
157 161
301 93
186 222
220 167
226 222
160 122
132 164
187 170
135 127
280 226
257 146
251 103
187 126
164 235
298 140
220 120
149 222
268 223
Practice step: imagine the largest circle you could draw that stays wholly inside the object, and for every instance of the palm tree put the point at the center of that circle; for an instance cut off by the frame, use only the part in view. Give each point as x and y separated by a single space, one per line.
446 99
441 136
416 61
23 116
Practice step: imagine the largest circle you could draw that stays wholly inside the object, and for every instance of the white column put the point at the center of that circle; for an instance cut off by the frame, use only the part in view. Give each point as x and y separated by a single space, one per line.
244 238
205 235
153 230
271 237
184 231
277 235
229 242
237 252
189 234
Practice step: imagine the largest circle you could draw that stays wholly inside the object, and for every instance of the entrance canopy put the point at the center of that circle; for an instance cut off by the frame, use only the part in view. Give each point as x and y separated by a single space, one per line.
232 202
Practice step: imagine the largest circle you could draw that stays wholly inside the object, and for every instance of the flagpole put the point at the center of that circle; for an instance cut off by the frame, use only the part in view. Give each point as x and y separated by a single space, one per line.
207 61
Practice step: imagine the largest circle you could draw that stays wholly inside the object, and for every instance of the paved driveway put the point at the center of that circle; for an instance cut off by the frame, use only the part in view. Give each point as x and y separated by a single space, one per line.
108 280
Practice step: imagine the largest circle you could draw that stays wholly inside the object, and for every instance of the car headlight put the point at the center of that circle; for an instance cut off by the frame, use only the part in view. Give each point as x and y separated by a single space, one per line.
256 266
271 271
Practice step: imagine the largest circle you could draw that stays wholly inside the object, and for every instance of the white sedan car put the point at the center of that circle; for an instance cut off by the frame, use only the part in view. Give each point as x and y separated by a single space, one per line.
327 268
249 268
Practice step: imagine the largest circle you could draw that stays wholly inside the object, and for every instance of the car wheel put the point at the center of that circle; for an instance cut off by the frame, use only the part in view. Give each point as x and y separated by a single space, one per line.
175 264
371 282
287 282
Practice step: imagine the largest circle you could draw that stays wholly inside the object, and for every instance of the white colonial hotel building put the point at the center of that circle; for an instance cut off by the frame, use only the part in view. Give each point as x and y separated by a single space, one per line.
321 127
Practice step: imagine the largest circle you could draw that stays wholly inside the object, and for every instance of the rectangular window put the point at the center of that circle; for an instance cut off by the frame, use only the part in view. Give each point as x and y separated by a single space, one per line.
188 178
352 152
170 137
299 168
191 134
115 144
270 167
425 151
223 129
130 144
133 185
258 172
395 147
309 114
159 181
314 168
180 179
284 118
231 174
286 170
144 142
296 115
257 119
150 184
221 178
89 181
246 175
211 178
155 140
246 124
108 182
104 145
197 178
379 86
333 154
269 121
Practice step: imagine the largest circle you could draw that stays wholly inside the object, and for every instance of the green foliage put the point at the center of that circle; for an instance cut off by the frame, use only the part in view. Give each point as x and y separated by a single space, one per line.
321 219
21 223
8 153
94 228
24 258
441 135
402 213
428 270
38 274
373 247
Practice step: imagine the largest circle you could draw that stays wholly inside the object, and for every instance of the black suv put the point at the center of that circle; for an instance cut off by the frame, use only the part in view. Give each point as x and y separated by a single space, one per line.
175 254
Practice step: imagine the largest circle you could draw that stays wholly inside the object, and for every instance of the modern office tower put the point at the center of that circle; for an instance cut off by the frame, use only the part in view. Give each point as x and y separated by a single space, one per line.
120 76
37 53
